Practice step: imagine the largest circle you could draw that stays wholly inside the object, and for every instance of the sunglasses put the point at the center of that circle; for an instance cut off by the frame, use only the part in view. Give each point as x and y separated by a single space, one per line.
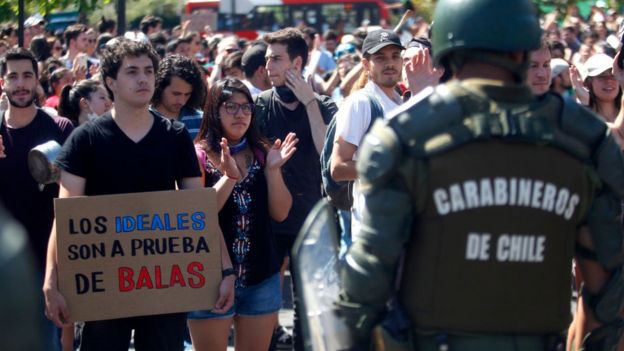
232 108
57 48
344 51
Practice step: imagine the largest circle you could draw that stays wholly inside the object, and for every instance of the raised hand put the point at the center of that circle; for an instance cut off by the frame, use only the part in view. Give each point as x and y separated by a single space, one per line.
228 164
582 94
302 89
618 73
420 72
281 152
79 67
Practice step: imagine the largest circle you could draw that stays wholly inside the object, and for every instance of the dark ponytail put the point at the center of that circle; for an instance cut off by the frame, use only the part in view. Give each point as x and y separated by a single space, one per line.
69 102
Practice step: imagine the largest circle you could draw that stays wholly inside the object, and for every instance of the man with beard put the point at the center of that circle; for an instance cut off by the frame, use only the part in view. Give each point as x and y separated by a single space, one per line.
382 63
561 82
22 127
180 92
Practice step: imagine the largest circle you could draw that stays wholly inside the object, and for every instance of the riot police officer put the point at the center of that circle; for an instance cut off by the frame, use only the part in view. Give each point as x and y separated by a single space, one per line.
487 193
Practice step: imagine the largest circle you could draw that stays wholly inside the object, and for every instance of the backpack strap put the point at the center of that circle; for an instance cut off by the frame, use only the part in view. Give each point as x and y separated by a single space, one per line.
263 106
376 109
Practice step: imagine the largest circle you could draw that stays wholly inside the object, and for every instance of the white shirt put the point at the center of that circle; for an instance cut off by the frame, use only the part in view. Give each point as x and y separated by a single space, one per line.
252 88
352 121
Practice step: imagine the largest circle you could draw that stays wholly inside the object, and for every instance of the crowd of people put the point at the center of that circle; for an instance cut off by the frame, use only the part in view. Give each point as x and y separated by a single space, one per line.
160 109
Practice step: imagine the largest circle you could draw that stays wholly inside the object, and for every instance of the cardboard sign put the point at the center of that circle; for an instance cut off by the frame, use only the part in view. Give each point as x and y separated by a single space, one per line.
200 20
138 254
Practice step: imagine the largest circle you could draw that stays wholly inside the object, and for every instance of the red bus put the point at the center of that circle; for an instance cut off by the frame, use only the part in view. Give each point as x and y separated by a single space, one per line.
342 16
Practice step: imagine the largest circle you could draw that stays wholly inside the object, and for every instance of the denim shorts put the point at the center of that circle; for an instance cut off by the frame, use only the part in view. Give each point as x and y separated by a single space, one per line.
255 300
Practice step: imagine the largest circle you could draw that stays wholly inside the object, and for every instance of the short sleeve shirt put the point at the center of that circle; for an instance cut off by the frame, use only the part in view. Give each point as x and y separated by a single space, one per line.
112 163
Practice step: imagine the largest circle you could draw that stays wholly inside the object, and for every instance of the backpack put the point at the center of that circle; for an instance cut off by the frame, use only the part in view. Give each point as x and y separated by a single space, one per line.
339 194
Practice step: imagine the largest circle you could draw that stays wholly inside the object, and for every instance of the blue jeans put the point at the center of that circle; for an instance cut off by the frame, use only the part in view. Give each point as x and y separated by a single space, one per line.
344 218
255 300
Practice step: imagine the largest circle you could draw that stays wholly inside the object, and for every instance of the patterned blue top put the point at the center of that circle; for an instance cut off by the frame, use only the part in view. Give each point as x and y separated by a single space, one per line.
190 117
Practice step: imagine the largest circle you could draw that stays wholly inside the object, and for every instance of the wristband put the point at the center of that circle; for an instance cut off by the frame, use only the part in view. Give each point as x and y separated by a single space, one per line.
227 272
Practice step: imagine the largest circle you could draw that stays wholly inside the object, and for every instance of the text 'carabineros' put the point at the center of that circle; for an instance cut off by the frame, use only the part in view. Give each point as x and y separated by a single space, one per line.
499 191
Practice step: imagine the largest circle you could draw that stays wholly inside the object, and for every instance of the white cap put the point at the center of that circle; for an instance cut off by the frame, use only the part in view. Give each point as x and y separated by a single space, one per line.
597 64
34 20
557 66
137 36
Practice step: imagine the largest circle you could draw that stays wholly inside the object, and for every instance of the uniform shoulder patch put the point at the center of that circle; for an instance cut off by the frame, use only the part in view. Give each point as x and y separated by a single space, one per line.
414 100
424 117
379 154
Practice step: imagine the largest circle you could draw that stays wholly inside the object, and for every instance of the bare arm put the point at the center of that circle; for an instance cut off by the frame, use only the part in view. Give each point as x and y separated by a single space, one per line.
217 70
350 79
342 163
56 307
280 199
594 276
328 86
231 174
226 288
317 125
224 188
582 94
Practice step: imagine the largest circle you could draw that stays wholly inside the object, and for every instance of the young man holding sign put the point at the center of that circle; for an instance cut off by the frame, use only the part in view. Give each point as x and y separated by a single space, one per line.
129 150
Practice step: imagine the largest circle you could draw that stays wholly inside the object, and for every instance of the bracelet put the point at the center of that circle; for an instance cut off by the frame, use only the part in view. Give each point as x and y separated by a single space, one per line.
227 272
307 103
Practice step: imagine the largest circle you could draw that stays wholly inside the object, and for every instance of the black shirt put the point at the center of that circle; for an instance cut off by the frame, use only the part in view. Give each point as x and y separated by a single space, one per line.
112 163
302 173
19 192
246 226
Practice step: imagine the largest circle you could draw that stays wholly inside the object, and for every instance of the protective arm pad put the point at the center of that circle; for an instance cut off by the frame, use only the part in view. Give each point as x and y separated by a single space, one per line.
604 225
369 273
609 301
610 164
605 337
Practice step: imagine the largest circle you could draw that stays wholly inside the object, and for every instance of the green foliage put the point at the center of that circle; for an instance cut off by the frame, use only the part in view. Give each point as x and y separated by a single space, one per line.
8 8
169 10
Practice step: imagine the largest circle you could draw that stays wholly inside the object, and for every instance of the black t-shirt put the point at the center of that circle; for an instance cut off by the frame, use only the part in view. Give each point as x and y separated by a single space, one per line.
112 163
19 192
246 226
302 173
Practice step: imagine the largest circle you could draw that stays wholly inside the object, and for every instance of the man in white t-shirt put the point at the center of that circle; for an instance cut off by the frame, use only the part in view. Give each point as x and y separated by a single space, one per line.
382 63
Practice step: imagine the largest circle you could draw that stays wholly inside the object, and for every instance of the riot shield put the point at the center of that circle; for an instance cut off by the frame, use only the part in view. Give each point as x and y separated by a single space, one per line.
315 258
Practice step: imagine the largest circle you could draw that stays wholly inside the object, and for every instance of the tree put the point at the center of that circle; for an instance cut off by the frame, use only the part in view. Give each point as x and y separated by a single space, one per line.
8 8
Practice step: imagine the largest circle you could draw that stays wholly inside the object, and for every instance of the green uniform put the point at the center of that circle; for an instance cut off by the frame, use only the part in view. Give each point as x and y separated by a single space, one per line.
482 188
475 193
